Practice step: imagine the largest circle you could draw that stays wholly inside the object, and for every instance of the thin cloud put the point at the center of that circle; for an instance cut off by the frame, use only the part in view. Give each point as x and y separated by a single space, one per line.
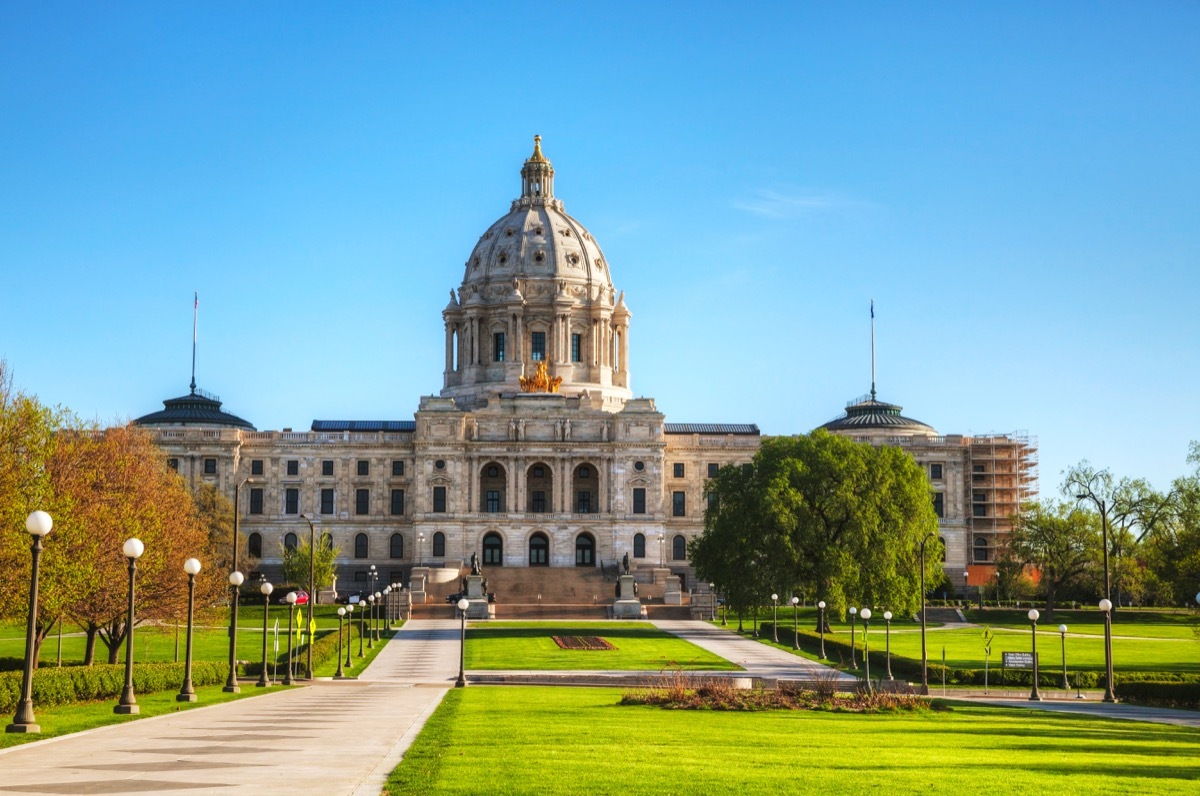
780 205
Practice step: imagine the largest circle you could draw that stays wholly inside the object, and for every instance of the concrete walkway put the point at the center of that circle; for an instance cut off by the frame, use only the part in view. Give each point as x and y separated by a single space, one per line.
331 738
1106 710
759 660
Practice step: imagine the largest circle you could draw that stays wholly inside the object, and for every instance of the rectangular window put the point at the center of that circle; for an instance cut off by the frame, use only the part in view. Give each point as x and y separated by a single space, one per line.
539 502
397 501
210 466
326 501
498 347
678 504
439 499
493 501
291 501
979 497
939 504
713 469
977 472
712 501
364 467
362 501
327 467
173 464
639 500
677 469
537 348
935 472
583 502
397 467
576 348
980 509
256 467
256 500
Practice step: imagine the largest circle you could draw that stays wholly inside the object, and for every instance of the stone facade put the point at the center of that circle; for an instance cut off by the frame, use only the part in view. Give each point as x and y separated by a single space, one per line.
569 470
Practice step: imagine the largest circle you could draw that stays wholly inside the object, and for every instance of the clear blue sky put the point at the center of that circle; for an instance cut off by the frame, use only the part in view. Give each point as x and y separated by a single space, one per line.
1015 184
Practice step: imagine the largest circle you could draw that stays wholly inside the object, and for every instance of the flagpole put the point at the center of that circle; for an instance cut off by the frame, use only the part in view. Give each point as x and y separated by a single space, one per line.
872 349
195 312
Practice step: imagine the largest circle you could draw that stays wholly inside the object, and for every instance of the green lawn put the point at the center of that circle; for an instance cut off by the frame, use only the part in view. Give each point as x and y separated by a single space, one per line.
601 747
528 645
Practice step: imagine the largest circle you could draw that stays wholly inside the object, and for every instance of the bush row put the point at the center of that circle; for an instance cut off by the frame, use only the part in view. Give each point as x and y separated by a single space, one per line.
1162 693
325 648
904 668
61 686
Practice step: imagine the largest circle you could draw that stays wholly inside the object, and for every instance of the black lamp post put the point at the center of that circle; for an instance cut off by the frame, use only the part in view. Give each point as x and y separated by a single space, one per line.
1062 631
349 629
775 617
853 642
266 588
378 614
387 608
712 604
187 693
924 653
1034 696
235 581
312 588
420 544
290 599
821 624
887 636
795 623
370 621
1109 695
362 626
128 706
38 524
374 575
340 673
866 617
461 682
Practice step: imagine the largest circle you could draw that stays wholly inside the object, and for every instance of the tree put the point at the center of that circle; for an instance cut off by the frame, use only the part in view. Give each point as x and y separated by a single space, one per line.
296 559
843 517
215 512
1058 539
1172 551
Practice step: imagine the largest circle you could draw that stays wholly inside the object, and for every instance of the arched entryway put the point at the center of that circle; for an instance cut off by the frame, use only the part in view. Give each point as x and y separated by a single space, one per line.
493 550
493 484
539 487
585 550
539 550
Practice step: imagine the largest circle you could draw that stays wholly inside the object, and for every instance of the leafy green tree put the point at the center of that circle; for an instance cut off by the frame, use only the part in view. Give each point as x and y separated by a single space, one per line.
1172 551
1058 539
296 560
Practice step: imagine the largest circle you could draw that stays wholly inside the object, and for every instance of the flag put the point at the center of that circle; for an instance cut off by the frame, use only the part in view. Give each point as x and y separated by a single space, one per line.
872 309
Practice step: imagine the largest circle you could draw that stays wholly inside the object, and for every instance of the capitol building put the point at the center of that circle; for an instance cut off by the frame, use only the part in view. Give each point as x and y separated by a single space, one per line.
535 453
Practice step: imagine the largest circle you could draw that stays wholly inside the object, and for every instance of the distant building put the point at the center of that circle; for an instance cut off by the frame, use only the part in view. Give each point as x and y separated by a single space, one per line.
535 453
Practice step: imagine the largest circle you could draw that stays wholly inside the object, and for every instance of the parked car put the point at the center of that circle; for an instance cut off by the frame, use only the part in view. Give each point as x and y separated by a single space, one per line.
279 596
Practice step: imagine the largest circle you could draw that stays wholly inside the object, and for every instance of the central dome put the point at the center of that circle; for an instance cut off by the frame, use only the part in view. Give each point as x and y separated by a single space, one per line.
536 289
536 242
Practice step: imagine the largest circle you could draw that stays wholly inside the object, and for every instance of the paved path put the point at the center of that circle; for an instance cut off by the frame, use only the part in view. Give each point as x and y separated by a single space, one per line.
759 660
1108 710
332 738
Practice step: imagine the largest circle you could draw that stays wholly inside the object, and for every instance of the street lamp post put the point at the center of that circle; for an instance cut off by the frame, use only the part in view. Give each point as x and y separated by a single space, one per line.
821 625
853 643
374 623
712 602
420 543
128 706
662 559
378 614
887 636
349 611
362 625
1062 630
924 653
866 619
461 682
340 673
370 621
775 617
312 588
231 686
38 524
387 608
1109 694
290 599
795 623
187 693
1034 696
266 588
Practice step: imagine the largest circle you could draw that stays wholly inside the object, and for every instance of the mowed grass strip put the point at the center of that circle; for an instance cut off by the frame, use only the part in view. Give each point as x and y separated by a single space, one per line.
580 741
530 645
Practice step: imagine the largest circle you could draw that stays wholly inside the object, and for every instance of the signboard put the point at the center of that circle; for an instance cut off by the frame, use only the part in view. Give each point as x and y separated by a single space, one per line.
1018 660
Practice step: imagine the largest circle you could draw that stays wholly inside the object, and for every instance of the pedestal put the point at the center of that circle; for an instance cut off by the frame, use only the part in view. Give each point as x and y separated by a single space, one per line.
417 584
673 593
478 606
627 605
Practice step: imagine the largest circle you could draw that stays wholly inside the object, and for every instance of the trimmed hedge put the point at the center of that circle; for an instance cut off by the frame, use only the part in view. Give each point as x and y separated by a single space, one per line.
1161 693
325 648
62 686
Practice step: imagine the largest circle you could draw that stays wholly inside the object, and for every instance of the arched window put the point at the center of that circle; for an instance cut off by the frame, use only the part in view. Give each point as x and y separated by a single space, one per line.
639 545
679 548
290 541
493 483
982 553
397 546
493 550
585 550
327 540
539 550
539 488
361 548
585 487
254 544
439 545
